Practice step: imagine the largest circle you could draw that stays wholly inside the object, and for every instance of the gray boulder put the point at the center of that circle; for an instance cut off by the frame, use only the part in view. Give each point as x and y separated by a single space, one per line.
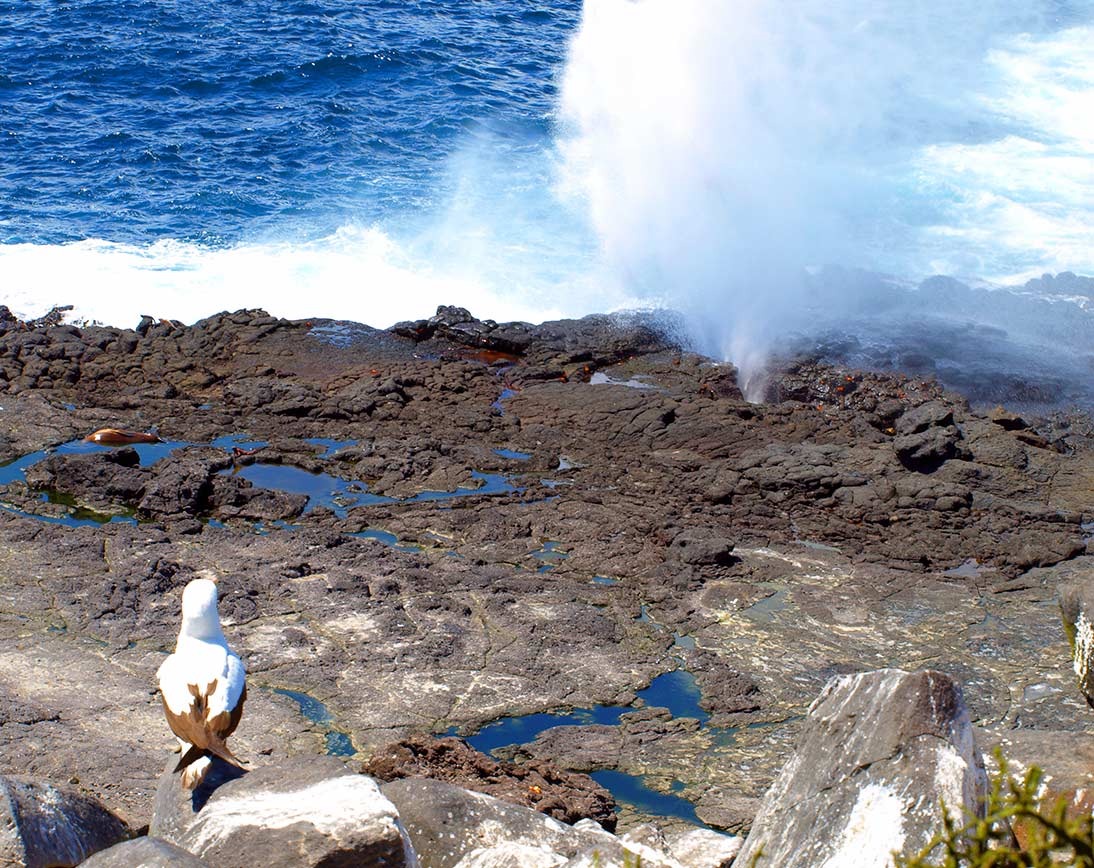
144 853
301 811
451 827
1077 609
703 848
878 753
45 825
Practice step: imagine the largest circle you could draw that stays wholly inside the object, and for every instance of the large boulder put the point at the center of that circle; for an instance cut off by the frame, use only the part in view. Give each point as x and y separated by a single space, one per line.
45 825
144 853
927 437
878 755
302 811
703 848
451 827
1077 609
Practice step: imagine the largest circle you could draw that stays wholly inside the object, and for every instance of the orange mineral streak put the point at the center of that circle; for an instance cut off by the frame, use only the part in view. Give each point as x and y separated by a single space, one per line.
119 437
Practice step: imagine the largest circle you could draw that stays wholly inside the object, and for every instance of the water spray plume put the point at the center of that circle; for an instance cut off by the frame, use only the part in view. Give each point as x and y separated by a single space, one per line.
723 148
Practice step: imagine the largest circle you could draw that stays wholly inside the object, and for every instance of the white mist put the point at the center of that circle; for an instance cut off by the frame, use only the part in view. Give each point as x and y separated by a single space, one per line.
723 147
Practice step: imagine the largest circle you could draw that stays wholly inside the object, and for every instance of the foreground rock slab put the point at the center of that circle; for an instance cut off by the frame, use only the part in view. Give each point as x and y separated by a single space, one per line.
301 812
144 853
878 753
451 827
45 825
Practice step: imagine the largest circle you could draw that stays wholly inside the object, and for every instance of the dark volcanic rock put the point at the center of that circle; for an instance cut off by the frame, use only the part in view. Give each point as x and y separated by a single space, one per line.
43 825
724 689
933 414
701 547
842 555
537 784
927 436
926 450
300 812
98 479
183 483
189 482
878 755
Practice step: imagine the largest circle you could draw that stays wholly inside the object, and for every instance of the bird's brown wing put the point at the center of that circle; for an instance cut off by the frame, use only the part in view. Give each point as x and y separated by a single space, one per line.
204 733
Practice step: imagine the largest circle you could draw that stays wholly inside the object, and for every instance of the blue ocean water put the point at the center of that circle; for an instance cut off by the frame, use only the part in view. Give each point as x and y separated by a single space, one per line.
135 120
371 160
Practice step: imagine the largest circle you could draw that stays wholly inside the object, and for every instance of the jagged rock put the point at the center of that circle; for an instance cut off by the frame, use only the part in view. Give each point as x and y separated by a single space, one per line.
701 547
99 479
451 827
303 811
927 437
538 784
933 414
877 754
1077 609
46 826
183 484
926 450
145 853
1007 420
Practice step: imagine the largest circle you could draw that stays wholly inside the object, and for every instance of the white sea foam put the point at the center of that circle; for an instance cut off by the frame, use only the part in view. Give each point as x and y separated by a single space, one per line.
1024 204
360 274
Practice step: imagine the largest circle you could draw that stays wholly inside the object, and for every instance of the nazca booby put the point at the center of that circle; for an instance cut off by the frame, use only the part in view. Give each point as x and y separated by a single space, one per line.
202 685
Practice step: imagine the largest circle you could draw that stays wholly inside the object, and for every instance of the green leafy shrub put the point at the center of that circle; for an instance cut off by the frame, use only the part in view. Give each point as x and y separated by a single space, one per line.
1050 837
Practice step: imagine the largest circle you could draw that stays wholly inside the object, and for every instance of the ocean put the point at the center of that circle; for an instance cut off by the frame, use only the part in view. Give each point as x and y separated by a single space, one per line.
371 160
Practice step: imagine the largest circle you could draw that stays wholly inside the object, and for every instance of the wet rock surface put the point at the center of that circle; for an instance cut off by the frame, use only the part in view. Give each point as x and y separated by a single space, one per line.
527 519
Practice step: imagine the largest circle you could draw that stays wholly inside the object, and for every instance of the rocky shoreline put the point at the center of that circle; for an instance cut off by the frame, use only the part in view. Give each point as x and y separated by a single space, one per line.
452 522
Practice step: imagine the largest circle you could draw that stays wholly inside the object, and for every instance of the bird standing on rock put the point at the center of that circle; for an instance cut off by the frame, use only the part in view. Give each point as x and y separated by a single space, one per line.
202 685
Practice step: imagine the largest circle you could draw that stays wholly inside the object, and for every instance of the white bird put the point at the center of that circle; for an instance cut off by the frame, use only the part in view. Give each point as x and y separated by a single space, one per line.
202 685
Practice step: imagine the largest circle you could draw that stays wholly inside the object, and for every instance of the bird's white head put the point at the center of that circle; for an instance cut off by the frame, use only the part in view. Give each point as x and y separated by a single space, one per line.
200 619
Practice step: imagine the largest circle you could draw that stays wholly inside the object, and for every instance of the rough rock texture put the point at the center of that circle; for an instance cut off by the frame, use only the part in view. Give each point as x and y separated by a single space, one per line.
302 812
1077 609
543 786
877 754
145 853
44 825
640 517
449 826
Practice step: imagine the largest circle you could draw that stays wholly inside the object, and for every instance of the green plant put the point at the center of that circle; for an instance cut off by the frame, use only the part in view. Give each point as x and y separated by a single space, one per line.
1049 836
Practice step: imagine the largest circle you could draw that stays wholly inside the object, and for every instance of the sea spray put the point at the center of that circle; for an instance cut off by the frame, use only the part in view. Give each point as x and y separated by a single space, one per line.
721 149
